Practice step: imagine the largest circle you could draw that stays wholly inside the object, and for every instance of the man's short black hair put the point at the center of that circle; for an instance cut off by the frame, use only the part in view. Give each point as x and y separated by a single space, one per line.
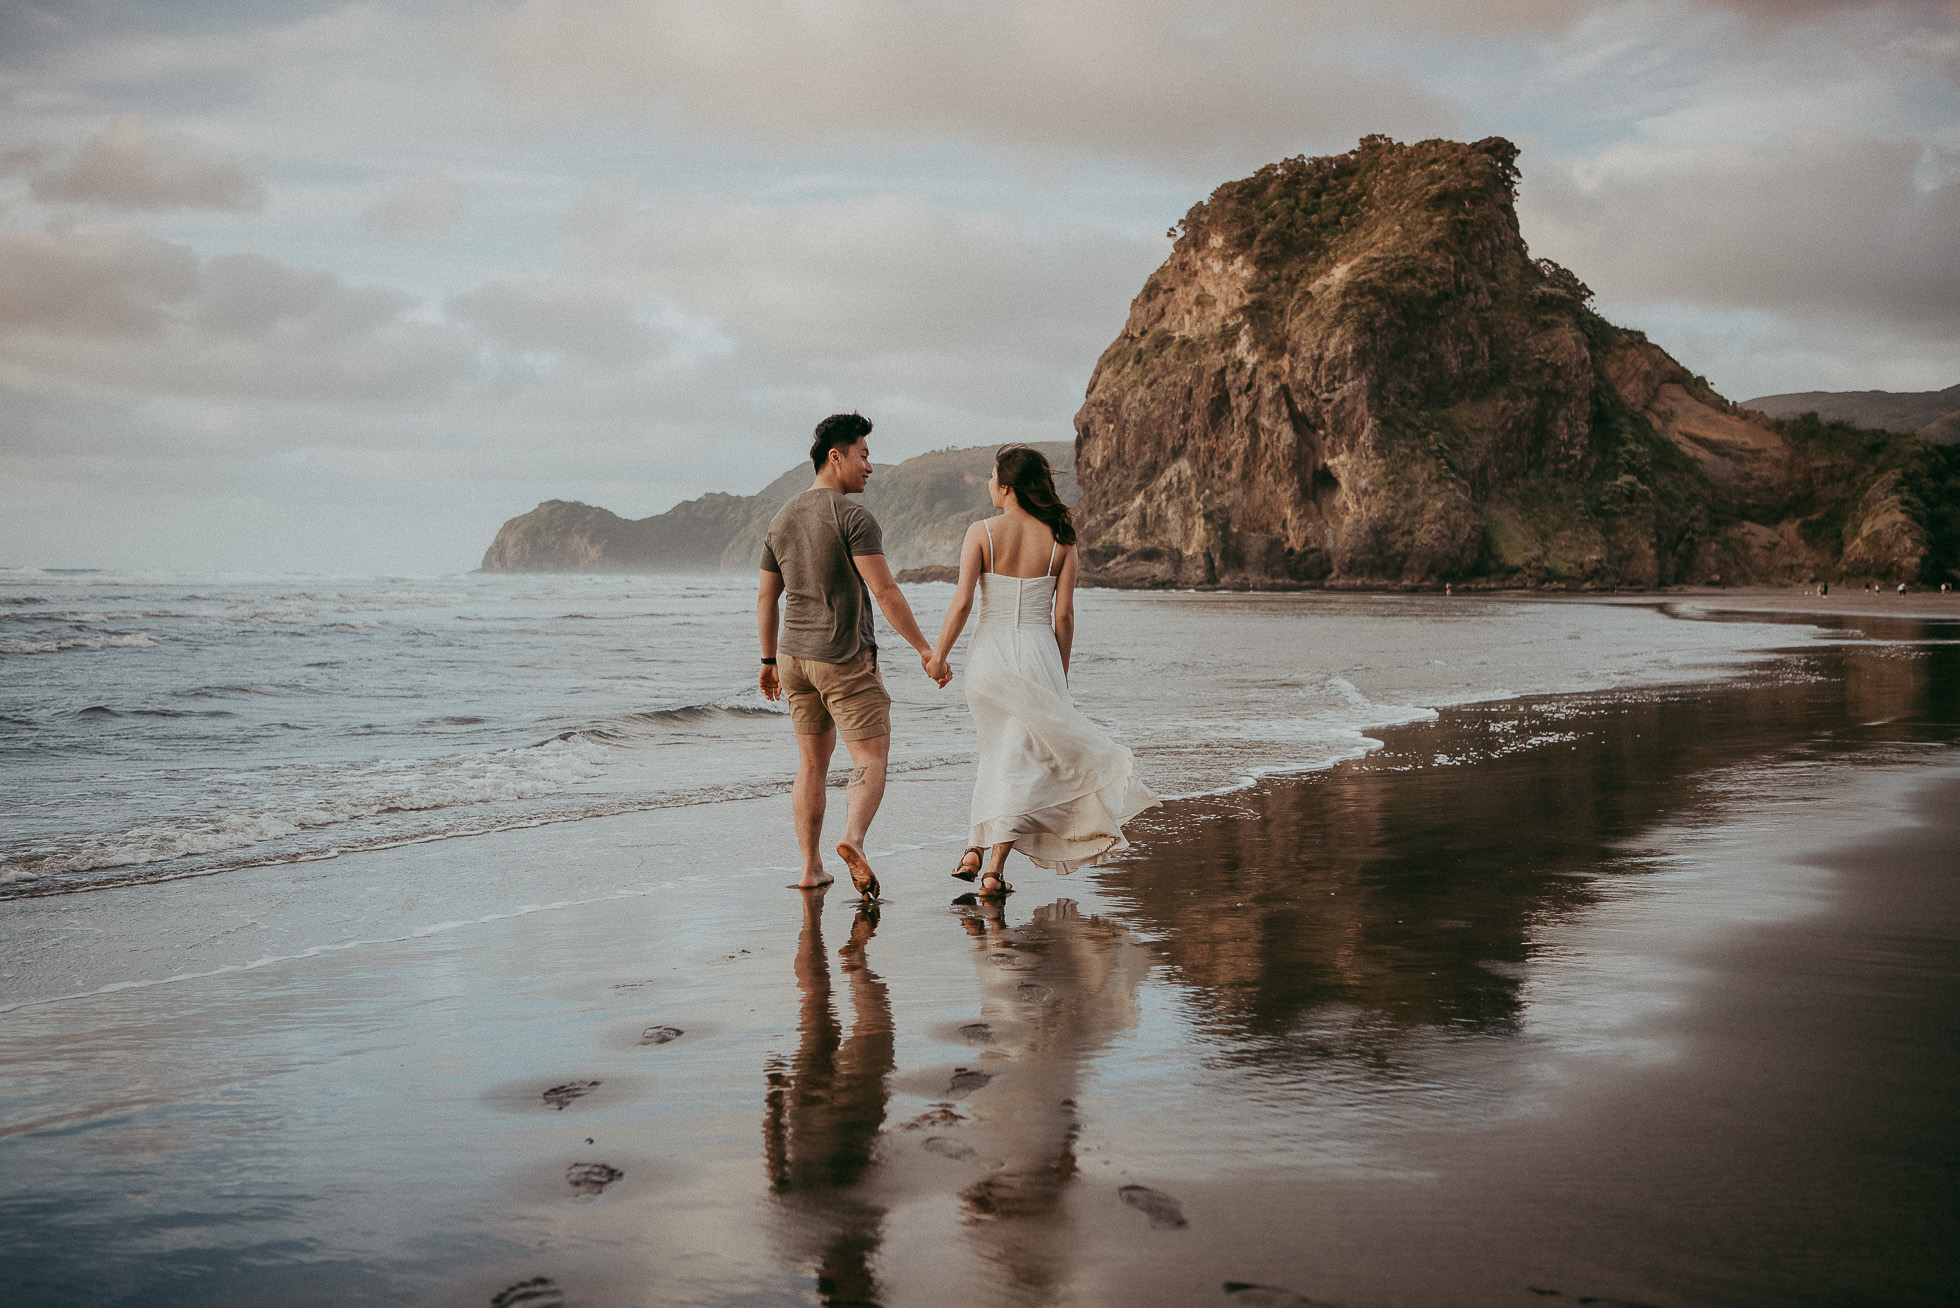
839 429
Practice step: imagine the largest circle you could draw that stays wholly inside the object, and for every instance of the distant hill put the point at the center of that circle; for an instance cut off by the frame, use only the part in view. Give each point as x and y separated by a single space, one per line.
1934 415
923 504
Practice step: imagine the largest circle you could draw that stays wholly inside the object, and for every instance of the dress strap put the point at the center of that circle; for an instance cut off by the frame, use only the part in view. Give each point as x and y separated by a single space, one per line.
1053 545
990 543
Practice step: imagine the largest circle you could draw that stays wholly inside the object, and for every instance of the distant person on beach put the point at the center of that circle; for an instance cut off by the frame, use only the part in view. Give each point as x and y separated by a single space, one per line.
1051 784
823 561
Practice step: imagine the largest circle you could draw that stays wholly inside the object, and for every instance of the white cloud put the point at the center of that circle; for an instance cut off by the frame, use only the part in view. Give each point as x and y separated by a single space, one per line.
1747 353
126 167
114 307
554 315
1236 86
111 281
1810 223
428 203
877 285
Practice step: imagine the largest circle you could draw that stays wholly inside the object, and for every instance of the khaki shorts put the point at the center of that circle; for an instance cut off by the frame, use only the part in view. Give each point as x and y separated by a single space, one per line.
851 696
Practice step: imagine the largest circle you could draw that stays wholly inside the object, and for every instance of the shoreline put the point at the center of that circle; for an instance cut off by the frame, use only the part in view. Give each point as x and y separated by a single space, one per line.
1488 998
1918 602
1922 605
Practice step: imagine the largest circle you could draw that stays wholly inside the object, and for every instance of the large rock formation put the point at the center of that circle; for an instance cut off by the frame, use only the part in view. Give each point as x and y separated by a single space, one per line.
923 504
1350 371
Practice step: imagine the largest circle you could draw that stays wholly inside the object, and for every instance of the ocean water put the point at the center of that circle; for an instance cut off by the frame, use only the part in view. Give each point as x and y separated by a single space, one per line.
156 727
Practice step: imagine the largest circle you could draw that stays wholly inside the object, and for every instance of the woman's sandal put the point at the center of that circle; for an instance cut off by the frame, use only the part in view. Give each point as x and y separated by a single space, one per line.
978 855
1000 884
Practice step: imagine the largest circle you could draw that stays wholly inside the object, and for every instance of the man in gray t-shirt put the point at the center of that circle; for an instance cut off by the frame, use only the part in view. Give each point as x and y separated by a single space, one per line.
823 562
826 604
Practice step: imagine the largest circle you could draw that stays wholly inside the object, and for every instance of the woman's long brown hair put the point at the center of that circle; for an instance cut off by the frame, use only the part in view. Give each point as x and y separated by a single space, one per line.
1027 474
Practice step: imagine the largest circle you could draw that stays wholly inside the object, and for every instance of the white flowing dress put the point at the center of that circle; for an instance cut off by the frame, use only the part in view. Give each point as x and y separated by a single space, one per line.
1051 783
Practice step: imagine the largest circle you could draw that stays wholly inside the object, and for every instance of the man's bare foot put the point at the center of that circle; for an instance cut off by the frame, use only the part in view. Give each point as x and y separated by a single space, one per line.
862 876
818 882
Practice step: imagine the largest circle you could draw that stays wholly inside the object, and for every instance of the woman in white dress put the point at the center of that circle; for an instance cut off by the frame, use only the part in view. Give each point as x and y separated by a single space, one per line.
1051 784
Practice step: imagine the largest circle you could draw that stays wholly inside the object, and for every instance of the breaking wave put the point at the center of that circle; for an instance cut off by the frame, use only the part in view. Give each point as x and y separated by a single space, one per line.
135 640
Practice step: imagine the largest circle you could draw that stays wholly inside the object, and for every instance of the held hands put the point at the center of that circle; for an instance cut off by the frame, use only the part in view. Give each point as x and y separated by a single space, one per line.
938 669
769 683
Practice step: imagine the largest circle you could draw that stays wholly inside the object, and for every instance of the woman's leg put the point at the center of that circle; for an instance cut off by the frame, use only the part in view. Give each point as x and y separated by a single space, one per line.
994 880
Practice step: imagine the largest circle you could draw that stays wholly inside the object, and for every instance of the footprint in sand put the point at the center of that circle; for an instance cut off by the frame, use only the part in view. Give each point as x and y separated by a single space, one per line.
591 1178
966 1081
1160 1208
1030 993
538 1292
560 1095
947 1147
937 1117
1244 1294
660 1035
977 1033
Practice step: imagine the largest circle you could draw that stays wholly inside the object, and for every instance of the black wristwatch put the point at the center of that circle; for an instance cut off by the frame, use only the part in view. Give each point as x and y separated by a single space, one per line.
771 662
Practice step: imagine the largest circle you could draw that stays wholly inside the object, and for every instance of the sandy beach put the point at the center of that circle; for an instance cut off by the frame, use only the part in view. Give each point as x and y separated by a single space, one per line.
449 451
1636 998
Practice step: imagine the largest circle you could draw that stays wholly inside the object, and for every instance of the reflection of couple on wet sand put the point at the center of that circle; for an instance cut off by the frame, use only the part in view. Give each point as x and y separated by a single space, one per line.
1052 994
1051 784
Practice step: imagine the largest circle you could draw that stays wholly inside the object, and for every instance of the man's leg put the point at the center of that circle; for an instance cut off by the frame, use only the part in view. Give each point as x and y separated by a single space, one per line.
862 709
807 799
867 786
861 798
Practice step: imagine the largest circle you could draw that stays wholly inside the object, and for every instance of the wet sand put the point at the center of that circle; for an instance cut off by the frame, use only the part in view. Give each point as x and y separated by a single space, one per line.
1640 999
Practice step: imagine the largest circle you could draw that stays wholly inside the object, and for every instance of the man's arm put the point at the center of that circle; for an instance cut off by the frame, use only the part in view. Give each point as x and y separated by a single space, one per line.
768 618
877 576
971 562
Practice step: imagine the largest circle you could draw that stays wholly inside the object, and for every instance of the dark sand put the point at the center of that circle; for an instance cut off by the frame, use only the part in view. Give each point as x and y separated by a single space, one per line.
1643 999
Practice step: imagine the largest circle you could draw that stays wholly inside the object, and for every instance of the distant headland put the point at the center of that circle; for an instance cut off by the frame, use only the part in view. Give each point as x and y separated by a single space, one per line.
924 505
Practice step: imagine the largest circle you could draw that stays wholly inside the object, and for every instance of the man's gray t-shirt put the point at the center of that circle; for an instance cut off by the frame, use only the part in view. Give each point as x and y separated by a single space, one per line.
826 605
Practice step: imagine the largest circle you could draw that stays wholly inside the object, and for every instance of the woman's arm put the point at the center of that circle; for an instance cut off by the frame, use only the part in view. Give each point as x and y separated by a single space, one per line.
1065 606
972 557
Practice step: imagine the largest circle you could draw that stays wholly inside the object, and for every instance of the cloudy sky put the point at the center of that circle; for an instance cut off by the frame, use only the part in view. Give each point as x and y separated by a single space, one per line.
340 287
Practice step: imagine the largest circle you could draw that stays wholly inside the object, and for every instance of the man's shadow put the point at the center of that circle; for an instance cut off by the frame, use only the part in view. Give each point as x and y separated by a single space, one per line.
824 1110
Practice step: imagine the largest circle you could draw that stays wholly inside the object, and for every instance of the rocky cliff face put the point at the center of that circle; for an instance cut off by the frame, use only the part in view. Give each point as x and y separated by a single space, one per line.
924 505
1351 372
